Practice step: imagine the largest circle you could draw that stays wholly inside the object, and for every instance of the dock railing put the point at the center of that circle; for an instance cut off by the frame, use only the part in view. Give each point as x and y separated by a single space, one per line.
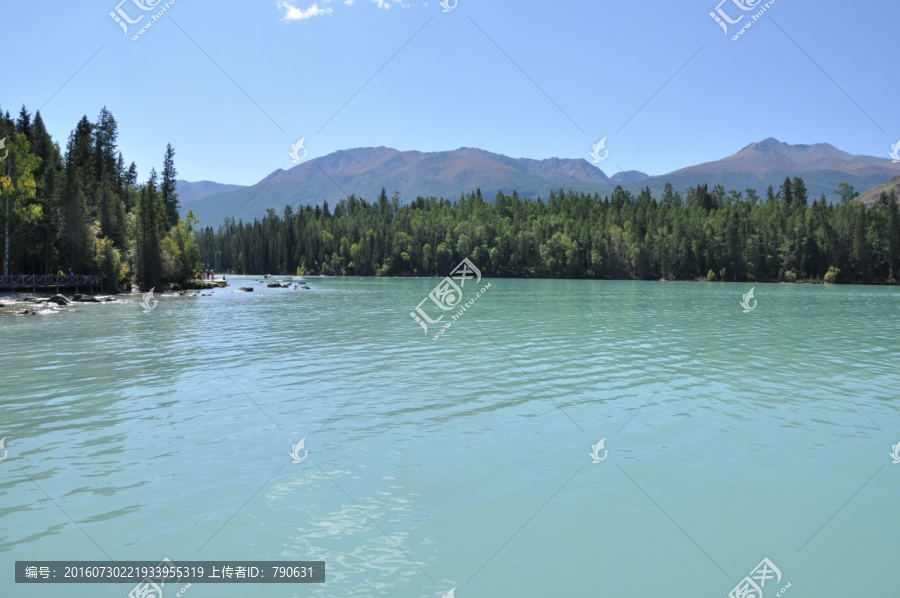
33 282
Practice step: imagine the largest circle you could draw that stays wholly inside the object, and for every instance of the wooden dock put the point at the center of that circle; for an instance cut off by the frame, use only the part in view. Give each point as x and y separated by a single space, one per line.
54 282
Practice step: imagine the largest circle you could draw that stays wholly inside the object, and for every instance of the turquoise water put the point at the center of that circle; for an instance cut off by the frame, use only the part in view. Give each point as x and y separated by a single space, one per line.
462 462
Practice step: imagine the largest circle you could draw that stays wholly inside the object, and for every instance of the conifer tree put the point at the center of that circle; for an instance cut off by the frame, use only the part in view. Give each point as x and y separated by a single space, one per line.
169 187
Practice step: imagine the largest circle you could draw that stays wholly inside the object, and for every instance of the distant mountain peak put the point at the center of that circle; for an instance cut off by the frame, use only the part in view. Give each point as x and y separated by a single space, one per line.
365 171
776 148
766 143
629 177
189 191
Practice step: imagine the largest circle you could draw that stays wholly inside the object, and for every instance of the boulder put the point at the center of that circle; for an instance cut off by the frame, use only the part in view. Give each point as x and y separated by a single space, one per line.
85 299
274 285
59 300
305 288
246 289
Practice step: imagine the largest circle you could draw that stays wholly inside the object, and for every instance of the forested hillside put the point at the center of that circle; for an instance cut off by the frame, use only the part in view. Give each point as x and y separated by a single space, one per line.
705 233
84 210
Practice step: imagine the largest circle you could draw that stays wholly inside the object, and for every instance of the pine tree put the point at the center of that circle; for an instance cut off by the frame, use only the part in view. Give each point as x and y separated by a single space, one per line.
786 194
23 124
77 195
50 183
798 187
169 187
149 261
109 206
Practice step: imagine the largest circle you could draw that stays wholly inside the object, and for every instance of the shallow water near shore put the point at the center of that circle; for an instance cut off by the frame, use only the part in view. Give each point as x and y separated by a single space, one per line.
462 462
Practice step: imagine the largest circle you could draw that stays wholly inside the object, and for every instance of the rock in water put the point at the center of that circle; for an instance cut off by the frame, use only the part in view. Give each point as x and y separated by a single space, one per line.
246 289
59 300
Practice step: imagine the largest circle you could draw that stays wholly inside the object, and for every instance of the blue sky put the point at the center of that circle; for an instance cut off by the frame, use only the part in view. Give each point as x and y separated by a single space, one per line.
232 84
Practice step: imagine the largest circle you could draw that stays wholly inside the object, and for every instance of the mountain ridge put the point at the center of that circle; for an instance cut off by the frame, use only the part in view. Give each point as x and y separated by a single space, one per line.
872 195
365 171
190 191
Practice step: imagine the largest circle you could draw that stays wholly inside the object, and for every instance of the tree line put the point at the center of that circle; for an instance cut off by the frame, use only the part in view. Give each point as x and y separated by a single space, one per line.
82 210
702 233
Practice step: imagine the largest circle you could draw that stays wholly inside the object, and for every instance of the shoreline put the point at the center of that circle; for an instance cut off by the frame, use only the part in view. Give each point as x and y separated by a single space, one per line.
43 303
33 304
805 281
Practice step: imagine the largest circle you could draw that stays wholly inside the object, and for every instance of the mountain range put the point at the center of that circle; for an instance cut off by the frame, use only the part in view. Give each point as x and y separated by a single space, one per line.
192 191
365 171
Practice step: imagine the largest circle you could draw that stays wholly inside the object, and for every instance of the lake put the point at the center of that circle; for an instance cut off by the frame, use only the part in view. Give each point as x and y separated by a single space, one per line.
463 462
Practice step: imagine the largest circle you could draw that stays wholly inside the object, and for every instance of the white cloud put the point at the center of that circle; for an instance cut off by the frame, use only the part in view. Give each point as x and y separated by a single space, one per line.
292 13
388 3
